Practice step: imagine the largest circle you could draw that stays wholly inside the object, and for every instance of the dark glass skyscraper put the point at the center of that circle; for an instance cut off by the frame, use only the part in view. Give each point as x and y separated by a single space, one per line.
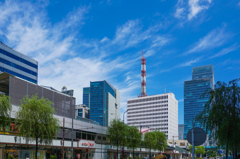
86 96
202 79
104 102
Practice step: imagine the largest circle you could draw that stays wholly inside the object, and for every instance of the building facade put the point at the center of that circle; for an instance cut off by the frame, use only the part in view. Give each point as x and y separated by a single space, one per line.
157 112
104 102
82 111
17 64
86 96
181 131
202 79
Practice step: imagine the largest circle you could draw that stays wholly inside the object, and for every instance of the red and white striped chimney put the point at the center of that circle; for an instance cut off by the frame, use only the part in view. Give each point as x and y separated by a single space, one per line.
143 78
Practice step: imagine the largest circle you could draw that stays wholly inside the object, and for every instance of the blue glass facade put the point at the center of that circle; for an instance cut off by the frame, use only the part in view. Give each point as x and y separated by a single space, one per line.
17 64
203 79
98 101
80 112
86 96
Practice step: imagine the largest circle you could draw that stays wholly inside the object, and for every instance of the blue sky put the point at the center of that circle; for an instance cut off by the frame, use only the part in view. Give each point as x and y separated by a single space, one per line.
76 42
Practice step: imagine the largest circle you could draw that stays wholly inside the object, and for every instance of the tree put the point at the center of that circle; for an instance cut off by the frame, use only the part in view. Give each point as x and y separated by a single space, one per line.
150 141
36 120
161 141
134 138
117 133
5 108
198 149
221 114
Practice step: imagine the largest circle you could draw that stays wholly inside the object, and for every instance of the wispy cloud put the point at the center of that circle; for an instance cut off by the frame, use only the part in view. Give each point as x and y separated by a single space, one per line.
226 50
213 39
196 6
188 9
187 63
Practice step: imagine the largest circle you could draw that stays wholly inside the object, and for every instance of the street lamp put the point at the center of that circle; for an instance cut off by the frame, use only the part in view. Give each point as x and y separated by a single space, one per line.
124 113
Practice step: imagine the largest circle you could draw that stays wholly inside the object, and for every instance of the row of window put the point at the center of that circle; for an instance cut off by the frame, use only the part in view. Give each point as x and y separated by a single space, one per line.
18 58
147 111
158 106
149 121
148 118
147 103
147 99
147 115
18 67
18 75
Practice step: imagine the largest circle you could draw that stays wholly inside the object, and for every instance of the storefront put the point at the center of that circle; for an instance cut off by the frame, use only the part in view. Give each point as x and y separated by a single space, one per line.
85 149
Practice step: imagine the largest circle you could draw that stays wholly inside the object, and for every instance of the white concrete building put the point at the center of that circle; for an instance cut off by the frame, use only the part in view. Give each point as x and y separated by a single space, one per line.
158 112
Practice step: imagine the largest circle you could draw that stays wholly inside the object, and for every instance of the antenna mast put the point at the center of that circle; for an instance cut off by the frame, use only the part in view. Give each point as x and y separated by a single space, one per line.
143 78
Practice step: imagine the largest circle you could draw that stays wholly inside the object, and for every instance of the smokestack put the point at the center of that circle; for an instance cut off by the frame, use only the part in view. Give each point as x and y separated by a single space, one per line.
143 78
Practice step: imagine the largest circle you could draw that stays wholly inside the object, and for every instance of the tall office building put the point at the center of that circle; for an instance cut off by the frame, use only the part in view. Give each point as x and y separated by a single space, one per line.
202 79
157 112
86 96
104 102
17 64
181 131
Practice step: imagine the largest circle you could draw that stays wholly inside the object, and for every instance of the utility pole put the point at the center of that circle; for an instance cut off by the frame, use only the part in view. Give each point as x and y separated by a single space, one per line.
73 109
173 145
63 137
141 142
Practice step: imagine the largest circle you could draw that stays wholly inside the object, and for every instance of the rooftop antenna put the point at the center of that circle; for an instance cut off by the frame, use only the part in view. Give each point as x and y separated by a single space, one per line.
165 89
143 78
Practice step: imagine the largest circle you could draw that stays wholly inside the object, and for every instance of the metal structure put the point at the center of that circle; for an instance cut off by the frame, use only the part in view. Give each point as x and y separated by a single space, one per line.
143 78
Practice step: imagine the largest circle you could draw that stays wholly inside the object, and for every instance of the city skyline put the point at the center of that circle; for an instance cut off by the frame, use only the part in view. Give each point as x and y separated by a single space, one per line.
75 43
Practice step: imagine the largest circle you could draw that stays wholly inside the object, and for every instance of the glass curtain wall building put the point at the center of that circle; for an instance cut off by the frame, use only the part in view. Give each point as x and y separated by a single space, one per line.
104 102
202 79
17 64
86 96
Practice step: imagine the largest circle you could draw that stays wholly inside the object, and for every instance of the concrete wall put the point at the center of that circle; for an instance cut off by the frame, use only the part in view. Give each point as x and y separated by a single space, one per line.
172 116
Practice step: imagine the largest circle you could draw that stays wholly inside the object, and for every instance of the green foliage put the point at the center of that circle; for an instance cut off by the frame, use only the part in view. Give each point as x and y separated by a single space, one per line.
134 138
5 108
117 132
211 153
161 142
36 120
149 140
10 157
198 149
53 157
221 114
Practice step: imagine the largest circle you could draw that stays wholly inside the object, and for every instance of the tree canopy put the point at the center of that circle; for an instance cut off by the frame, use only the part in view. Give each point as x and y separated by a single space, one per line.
36 120
155 140
117 132
221 114
5 109
134 138
198 149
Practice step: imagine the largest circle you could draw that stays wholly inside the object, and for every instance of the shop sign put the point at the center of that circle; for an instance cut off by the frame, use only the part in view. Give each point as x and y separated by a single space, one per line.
87 144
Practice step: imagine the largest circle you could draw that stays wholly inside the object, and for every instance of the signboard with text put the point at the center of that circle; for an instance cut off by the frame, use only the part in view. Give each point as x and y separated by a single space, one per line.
87 144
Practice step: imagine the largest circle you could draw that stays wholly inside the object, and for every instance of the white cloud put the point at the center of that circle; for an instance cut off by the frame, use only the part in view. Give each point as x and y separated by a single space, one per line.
190 8
179 13
104 39
213 39
226 50
189 63
196 6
